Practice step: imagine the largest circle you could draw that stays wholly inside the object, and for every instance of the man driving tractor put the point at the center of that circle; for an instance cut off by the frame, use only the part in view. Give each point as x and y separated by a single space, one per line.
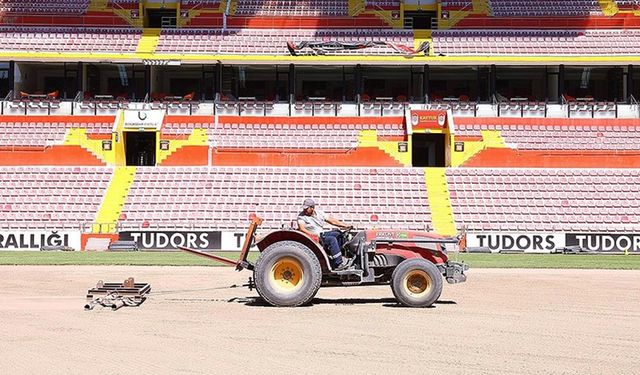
312 222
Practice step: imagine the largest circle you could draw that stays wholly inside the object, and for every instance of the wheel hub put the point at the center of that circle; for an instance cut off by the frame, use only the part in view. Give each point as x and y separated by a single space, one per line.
418 282
286 274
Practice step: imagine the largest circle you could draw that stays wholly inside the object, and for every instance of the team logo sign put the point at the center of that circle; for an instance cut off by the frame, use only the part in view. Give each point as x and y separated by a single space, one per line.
415 119
441 118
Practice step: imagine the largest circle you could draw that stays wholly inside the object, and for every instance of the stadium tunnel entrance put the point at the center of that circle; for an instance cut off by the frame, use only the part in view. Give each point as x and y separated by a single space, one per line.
140 148
428 150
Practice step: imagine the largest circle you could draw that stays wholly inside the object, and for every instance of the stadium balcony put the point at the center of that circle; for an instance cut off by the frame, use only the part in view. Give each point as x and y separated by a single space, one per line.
545 200
227 197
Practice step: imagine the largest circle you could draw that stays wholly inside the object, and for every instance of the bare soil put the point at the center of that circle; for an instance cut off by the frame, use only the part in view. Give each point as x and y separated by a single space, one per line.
501 321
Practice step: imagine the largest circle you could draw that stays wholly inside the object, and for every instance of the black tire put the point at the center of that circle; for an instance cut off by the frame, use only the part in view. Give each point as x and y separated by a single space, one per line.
416 283
278 278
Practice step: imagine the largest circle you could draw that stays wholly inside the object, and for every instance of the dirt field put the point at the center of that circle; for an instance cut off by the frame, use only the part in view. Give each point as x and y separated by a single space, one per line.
500 321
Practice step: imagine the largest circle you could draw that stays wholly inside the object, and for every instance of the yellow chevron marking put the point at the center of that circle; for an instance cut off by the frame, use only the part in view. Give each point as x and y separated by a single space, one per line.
78 137
197 138
369 138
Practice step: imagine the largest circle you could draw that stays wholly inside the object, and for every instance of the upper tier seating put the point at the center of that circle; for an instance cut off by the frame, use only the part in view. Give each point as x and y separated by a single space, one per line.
40 134
561 137
199 4
628 4
382 4
44 6
585 200
64 39
38 197
292 8
456 4
547 8
536 42
274 42
227 198
286 136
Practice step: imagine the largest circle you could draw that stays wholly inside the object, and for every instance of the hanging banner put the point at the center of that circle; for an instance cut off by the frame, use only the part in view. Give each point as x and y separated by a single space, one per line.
428 119
35 240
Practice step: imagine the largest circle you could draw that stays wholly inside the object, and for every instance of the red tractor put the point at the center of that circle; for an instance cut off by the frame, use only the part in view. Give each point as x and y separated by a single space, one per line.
292 266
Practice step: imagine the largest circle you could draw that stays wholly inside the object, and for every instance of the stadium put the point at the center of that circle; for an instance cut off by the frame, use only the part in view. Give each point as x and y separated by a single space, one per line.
511 126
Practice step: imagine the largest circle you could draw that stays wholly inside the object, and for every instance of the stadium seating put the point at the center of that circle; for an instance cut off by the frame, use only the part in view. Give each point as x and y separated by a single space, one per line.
292 8
552 8
38 197
60 7
227 197
41 133
66 39
536 42
274 42
585 200
251 133
584 136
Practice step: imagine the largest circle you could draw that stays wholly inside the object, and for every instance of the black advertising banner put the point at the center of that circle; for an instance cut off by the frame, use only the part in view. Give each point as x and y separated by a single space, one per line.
167 240
617 242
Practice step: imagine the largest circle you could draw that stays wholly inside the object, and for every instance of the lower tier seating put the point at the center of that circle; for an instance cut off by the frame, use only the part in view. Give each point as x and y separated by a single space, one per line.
227 197
590 200
51 197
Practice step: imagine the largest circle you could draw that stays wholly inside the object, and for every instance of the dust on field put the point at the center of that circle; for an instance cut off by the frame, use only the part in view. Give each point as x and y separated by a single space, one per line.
500 321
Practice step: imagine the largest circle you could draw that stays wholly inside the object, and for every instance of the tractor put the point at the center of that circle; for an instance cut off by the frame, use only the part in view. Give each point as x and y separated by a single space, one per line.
292 266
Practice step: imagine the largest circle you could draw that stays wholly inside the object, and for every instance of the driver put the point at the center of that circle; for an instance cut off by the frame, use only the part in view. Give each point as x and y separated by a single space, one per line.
312 222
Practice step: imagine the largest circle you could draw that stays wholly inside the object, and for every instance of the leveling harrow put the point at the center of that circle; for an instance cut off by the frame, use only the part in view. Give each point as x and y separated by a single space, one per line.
292 266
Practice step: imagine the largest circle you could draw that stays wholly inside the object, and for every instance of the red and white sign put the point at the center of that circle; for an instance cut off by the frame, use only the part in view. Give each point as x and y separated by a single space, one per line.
424 119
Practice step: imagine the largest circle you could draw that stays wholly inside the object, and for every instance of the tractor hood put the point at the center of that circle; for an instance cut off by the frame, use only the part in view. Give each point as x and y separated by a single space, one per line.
399 234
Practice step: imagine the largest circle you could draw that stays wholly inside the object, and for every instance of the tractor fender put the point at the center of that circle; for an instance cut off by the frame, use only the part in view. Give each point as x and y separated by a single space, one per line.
297 236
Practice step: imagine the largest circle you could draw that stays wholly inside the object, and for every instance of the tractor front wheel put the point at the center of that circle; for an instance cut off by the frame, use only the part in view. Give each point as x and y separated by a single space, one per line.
416 283
287 273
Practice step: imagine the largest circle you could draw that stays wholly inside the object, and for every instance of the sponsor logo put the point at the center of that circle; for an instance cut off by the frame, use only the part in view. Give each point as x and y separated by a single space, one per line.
198 240
516 241
617 242
142 115
34 240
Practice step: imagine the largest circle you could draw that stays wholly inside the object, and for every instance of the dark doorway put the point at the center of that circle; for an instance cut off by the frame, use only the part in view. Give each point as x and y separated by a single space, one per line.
140 148
420 19
428 150
157 18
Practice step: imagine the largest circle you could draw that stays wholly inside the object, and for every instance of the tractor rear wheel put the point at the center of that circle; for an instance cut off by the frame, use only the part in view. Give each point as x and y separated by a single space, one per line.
287 273
416 283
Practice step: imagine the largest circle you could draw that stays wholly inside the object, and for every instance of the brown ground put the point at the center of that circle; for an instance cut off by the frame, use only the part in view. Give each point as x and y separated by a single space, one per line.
500 321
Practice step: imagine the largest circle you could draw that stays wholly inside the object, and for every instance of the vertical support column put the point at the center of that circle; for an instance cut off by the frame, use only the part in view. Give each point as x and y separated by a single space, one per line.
292 83
12 75
425 83
359 83
492 81
147 80
629 89
560 82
